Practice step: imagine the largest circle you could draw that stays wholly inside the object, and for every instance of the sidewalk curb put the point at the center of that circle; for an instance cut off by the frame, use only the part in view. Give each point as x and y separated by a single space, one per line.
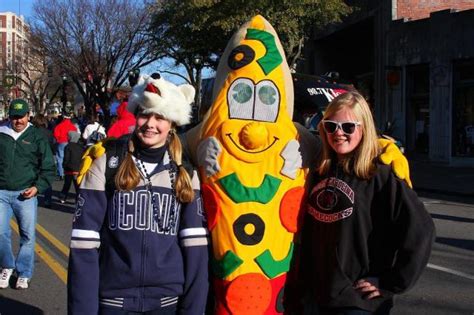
443 192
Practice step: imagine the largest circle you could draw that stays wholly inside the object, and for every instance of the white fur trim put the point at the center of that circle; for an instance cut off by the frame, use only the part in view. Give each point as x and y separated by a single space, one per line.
174 103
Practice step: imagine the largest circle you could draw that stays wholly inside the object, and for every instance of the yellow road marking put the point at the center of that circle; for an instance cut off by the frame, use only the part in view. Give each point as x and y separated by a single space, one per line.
48 259
53 240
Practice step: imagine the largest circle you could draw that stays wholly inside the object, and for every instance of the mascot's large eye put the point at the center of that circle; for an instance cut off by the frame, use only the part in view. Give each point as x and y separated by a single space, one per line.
267 102
240 98
242 93
267 95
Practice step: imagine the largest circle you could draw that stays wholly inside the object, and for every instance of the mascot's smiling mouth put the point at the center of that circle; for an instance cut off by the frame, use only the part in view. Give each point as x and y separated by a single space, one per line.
275 139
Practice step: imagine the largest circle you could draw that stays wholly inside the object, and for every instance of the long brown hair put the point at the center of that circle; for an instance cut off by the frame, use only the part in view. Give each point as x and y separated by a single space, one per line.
128 176
40 121
184 187
362 160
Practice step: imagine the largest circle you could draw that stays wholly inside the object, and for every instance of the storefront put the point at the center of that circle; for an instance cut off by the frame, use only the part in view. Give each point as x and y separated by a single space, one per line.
418 74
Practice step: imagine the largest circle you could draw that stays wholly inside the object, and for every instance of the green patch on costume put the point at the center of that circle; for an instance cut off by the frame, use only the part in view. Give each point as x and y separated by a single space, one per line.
224 267
240 193
272 58
271 267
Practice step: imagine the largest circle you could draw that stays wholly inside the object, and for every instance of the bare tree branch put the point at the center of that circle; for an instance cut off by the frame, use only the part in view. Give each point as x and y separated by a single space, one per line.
177 74
95 42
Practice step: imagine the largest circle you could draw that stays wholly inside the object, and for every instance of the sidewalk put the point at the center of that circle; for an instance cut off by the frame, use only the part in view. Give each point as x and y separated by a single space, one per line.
442 179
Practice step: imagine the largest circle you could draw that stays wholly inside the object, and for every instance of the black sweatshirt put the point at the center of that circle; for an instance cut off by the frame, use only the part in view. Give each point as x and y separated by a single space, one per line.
363 228
72 157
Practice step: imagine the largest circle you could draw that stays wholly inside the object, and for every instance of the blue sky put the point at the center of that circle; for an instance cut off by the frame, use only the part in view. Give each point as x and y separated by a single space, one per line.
20 7
24 7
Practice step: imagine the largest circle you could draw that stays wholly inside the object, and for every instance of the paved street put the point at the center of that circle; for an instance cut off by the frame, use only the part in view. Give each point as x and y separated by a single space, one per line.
446 287
47 293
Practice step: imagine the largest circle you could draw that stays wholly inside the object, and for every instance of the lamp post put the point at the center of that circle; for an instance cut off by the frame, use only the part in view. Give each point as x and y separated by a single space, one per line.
197 98
64 96
133 76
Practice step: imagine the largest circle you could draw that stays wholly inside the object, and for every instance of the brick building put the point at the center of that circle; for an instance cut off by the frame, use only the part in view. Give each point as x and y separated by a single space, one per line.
414 61
13 53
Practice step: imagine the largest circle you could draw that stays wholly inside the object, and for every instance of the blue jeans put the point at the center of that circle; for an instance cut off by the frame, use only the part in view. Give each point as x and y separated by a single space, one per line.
60 157
25 211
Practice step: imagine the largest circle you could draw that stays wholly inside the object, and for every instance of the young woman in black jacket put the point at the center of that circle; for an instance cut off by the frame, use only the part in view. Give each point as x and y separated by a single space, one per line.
71 163
366 235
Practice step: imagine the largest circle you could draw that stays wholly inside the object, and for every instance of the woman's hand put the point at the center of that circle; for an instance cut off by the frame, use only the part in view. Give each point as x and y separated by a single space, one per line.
368 288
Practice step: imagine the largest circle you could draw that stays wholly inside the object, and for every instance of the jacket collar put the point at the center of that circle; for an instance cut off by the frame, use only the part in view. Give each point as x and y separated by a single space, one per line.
8 130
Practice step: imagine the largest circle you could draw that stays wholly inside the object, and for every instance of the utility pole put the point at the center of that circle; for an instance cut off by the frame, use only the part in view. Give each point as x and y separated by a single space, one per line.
64 96
197 98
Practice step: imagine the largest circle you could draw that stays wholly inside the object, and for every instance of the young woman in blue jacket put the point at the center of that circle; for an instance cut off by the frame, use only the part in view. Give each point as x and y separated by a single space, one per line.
139 239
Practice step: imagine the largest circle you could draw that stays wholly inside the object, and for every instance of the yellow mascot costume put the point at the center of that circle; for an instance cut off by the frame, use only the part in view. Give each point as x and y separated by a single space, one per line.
251 171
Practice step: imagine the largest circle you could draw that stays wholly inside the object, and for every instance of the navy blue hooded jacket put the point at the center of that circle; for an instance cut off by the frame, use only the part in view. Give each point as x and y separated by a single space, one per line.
120 255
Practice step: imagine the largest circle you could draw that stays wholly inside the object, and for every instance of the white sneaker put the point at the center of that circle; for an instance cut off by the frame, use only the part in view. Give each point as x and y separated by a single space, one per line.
22 283
5 278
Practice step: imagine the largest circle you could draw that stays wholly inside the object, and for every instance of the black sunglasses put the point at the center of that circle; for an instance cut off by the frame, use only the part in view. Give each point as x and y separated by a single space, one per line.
347 127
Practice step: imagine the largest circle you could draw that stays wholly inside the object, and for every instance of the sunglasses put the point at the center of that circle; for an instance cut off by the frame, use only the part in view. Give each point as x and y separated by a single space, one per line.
347 127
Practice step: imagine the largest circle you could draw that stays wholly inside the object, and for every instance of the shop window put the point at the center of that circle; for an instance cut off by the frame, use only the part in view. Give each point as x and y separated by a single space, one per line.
418 109
463 109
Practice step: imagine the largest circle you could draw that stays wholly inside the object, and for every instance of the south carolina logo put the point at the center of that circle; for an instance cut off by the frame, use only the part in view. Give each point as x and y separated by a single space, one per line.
331 200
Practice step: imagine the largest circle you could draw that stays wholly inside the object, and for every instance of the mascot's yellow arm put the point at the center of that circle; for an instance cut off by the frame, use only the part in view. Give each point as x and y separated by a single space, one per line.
93 152
393 156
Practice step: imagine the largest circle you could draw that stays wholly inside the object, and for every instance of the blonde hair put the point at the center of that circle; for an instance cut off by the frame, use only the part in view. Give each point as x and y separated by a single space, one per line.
361 161
184 187
128 176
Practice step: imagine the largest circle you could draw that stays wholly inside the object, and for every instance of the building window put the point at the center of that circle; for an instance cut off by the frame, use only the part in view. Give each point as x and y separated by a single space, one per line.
463 109
418 109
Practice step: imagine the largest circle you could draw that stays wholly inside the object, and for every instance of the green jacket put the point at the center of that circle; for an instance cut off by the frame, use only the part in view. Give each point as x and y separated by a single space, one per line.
25 162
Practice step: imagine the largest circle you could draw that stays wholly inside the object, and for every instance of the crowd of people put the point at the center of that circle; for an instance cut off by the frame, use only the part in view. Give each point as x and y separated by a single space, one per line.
69 135
36 150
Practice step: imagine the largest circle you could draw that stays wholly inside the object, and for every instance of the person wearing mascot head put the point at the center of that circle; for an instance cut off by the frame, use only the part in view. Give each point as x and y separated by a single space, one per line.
139 239
254 163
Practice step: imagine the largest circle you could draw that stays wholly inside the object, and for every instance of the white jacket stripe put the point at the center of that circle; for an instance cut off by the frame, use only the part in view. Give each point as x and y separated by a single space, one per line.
193 232
189 242
84 244
85 234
